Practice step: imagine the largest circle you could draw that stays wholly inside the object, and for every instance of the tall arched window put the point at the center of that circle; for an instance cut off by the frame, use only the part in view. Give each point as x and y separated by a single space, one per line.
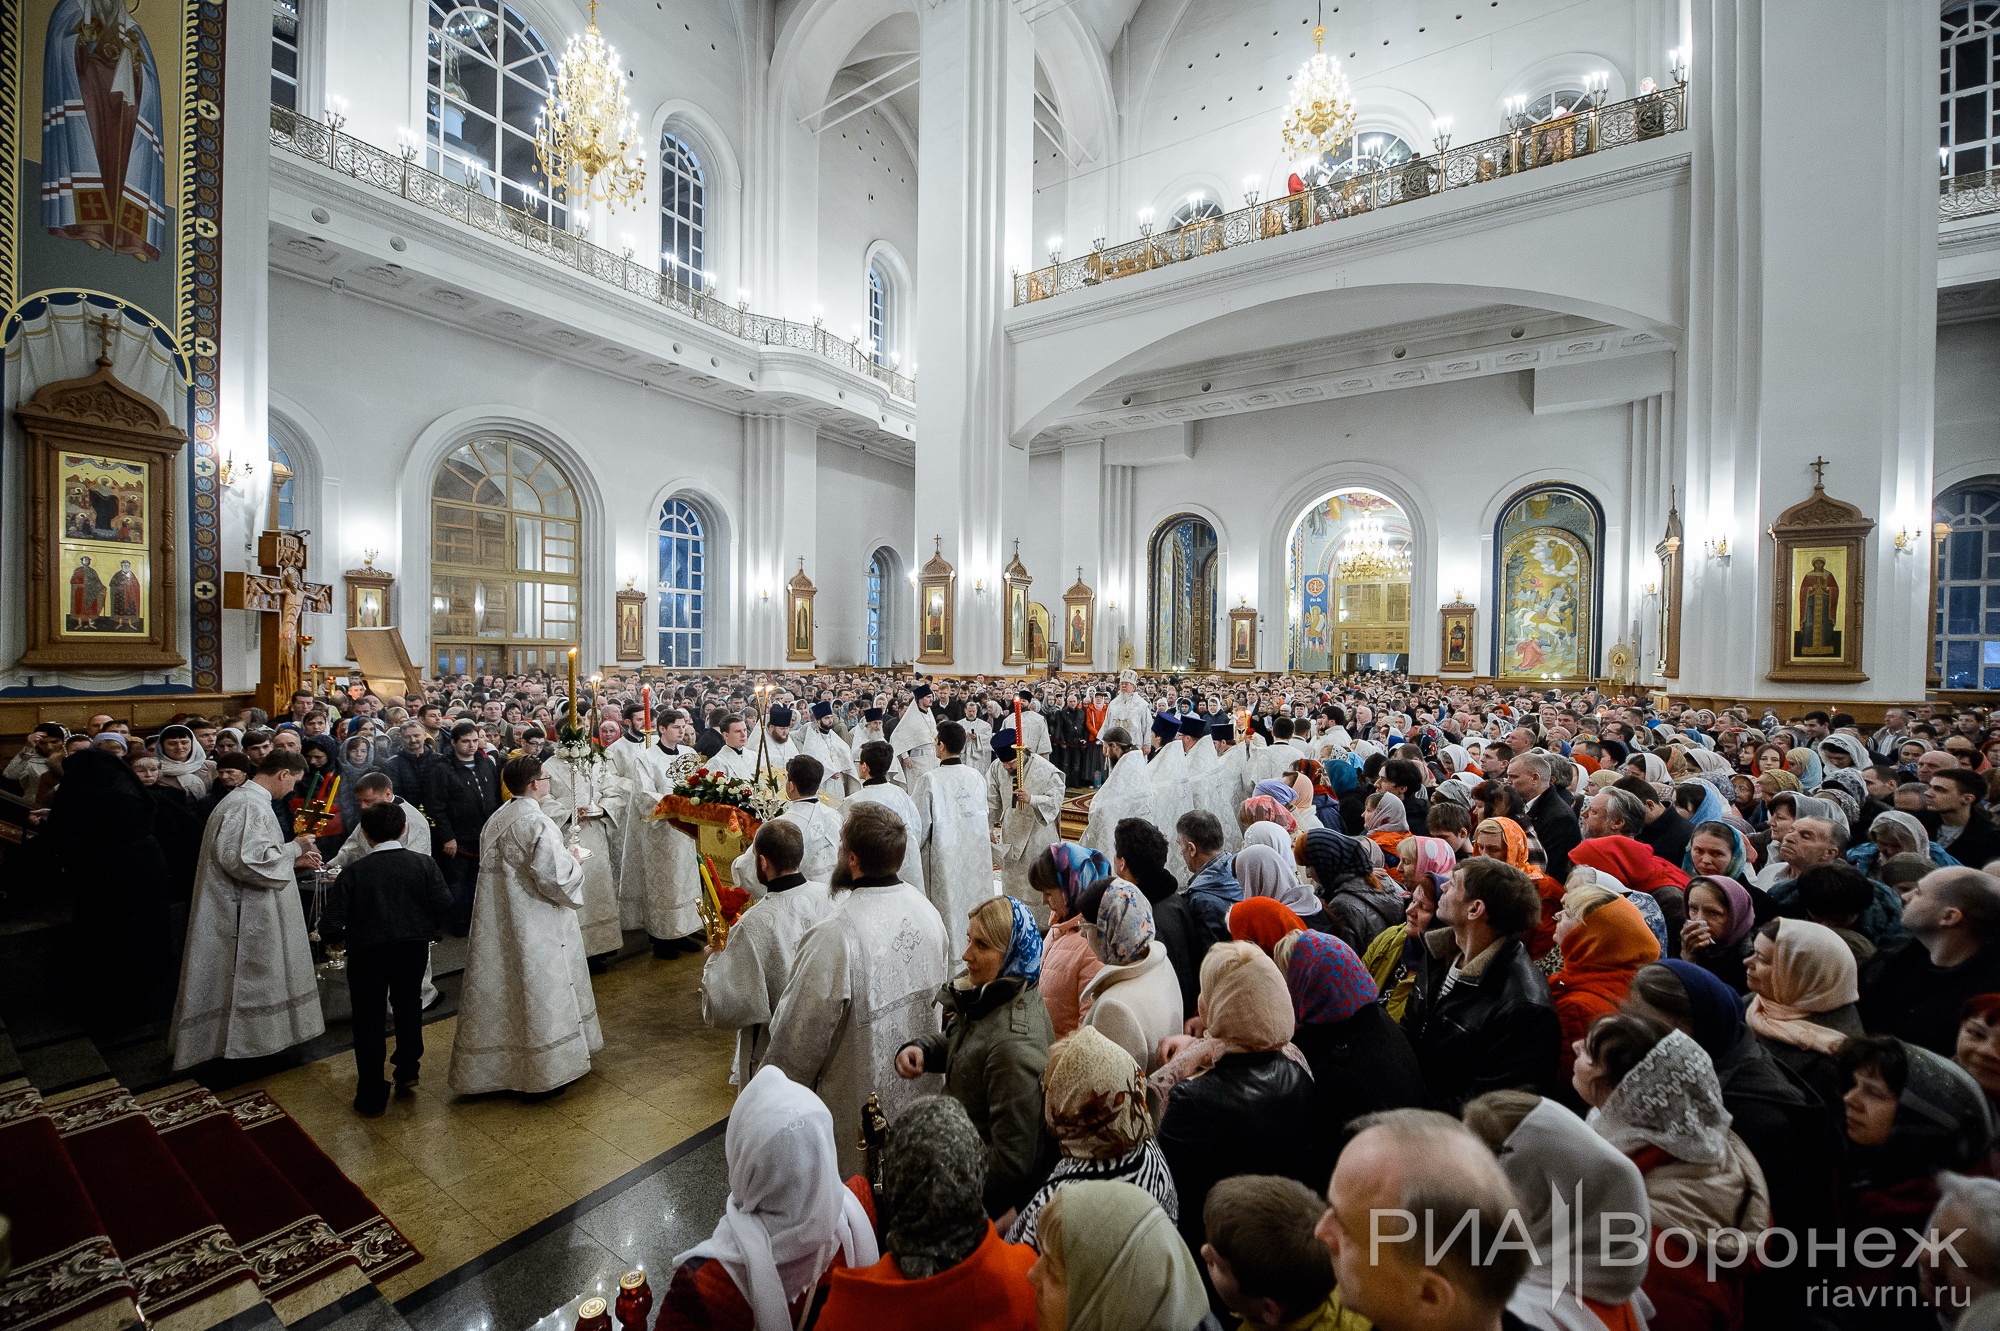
878 314
1547 585
682 582
279 512
878 586
504 560
285 44
1183 569
1968 639
489 73
1361 155
1968 98
1194 208
1347 579
683 212
1561 102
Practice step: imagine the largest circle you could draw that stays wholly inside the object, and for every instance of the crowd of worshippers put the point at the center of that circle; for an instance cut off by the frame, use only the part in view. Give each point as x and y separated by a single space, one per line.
1330 955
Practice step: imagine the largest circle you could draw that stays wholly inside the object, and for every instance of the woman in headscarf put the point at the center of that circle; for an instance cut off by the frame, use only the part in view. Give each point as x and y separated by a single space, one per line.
1805 765
1849 748
1135 1000
1897 833
788 1223
1385 821
1505 839
1803 984
228 740
1716 937
1267 808
1699 802
1978 1048
1062 873
1262 921
1747 800
1095 1104
944 1263
1636 868
183 763
1360 1060
1359 907
1395 957
994 1046
1263 870
1547 1152
1719 848
1423 859
1303 780
1110 1261
1604 942
1649 767
1654 1095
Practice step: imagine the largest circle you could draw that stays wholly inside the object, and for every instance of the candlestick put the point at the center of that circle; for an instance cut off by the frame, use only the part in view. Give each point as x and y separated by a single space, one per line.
1020 750
572 689
646 702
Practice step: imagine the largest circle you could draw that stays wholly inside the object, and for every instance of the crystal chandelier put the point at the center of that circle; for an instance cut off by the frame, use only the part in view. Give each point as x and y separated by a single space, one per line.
586 132
1321 115
1367 556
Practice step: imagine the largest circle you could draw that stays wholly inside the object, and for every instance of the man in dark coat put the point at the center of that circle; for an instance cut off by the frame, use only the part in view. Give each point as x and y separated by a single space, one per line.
1915 989
1532 776
464 792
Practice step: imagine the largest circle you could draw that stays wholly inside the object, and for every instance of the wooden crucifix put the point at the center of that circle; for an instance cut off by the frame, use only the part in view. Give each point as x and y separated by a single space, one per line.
282 594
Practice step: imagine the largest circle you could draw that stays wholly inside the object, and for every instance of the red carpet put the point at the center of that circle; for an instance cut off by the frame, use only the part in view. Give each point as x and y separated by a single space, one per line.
188 1271
66 1272
300 1264
378 1244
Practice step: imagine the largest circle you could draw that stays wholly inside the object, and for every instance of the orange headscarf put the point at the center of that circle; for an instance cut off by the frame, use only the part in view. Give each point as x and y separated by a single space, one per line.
1551 892
1600 957
1262 921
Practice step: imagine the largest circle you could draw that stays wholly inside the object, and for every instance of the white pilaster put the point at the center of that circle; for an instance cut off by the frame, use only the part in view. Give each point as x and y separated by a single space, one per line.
780 483
1121 588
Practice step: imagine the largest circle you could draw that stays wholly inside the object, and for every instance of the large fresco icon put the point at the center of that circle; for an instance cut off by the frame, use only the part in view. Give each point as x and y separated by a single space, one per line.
1548 541
104 141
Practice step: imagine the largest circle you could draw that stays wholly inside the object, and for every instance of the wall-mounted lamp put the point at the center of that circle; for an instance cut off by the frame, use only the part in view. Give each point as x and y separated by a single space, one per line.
1717 550
368 558
742 301
1677 64
979 585
763 593
232 471
1652 589
819 316
1908 540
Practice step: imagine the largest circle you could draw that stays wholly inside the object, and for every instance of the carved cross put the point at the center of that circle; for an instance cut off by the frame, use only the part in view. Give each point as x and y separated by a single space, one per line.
1819 466
282 595
103 326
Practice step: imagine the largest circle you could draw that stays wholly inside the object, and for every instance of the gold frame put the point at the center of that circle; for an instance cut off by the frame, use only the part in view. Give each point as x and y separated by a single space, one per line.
1243 637
1079 603
1014 626
799 625
360 581
1670 556
1817 527
937 594
630 623
1466 616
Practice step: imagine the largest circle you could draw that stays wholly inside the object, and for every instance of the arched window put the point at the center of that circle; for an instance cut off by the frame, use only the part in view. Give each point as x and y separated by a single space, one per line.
1183 574
1194 208
489 73
279 513
683 579
1968 98
504 560
1561 102
1361 155
683 212
1348 566
1968 639
1546 584
878 584
878 314
285 45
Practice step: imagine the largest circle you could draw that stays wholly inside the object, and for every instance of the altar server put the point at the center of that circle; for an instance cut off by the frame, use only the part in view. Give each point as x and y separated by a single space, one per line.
818 824
951 825
876 761
659 878
1027 814
572 804
915 737
742 982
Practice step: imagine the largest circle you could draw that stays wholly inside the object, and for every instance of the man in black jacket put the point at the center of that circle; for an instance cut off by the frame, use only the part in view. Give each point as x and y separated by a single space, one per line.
1915 989
1480 1015
409 768
1532 775
1974 840
387 907
464 792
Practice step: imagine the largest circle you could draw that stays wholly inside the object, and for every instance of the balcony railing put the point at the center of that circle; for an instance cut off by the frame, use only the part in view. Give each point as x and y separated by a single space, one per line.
1559 140
1968 195
399 174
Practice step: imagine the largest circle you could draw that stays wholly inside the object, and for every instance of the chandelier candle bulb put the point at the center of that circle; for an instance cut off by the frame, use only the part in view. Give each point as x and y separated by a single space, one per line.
587 129
1321 114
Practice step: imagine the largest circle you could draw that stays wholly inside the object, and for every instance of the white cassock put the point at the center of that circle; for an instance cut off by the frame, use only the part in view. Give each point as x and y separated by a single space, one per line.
776 752
978 741
950 800
1126 793
570 791
819 828
1168 772
247 982
867 734
659 874
739 763
527 1020
1025 828
864 985
1267 762
416 836
895 797
741 985
915 743
1132 711
1034 731
833 755
1223 791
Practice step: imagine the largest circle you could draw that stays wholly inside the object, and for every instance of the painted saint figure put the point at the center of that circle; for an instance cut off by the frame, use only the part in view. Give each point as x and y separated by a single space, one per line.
86 595
1819 613
127 605
104 159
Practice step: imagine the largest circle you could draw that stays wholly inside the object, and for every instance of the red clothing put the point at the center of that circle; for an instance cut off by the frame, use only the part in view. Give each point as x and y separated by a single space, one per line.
1686 1299
988 1291
1093 717
1551 892
702 1296
1600 958
1068 965
1632 863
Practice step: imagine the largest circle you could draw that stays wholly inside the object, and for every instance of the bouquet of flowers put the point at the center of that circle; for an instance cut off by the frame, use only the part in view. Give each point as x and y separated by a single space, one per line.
577 745
705 785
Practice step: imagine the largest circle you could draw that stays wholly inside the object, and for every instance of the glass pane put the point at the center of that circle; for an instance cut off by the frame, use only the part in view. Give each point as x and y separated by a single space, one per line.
1959 672
491 607
1962 610
490 540
1962 555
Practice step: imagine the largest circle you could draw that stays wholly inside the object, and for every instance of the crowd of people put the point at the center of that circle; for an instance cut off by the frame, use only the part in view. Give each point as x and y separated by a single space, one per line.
1347 1001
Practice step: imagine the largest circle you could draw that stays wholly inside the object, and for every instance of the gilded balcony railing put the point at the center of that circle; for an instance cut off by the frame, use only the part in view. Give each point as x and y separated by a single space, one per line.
1559 140
1968 195
394 173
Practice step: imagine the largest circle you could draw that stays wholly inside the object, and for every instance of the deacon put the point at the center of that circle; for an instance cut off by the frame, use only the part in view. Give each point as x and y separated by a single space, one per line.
743 980
735 757
572 805
1034 726
950 801
819 830
247 984
527 1020
876 761
1027 813
774 746
915 739
851 1001
659 874
1129 709
821 741
1126 793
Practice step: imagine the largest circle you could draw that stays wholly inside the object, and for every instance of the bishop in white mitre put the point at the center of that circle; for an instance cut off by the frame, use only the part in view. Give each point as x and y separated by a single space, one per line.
1126 793
659 873
1027 816
876 788
951 824
247 984
915 736
573 805
818 824
865 984
1130 709
818 739
742 983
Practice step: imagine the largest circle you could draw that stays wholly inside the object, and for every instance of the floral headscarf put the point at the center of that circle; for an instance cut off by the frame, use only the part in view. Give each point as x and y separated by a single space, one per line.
1672 1100
1124 928
1327 981
1267 809
1024 950
1077 868
1736 898
1094 1097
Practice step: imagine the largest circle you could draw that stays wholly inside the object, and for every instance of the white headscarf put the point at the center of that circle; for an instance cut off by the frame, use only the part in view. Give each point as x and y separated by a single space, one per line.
1552 1155
189 773
788 1211
1264 868
1671 1100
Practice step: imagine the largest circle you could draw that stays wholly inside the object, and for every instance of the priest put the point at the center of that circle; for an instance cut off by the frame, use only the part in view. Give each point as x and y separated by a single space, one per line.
1223 790
527 1020
870 732
819 740
818 824
876 760
574 806
851 1002
743 980
1034 726
1126 793
1129 709
659 875
1024 795
247 984
915 737
951 825
774 745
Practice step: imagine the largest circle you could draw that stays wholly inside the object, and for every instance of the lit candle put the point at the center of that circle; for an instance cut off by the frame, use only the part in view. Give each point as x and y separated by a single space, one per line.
572 689
646 702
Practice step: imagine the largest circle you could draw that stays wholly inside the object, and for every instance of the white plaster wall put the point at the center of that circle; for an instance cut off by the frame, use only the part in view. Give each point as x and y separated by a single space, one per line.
867 193
1968 403
865 503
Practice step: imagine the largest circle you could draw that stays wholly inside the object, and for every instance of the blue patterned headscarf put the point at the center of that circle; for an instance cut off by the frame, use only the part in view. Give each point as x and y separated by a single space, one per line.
1077 869
1124 927
1024 953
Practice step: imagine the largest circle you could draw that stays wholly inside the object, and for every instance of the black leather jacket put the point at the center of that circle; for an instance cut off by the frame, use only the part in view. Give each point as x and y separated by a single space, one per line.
461 799
1249 1114
1497 1029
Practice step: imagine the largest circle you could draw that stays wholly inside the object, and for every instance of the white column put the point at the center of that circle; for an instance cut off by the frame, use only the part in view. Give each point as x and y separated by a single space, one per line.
1648 495
975 178
1122 586
780 478
1082 529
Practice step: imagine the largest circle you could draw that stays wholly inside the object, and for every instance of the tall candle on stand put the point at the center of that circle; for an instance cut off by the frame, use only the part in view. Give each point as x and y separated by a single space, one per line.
572 689
1020 749
646 703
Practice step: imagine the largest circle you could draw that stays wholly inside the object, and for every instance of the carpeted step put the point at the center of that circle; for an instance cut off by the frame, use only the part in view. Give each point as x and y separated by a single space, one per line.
378 1245
66 1273
300 1264
189 1273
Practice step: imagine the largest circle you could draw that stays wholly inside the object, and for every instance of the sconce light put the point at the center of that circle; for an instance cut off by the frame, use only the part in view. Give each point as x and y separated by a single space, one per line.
742 301
1596 87
1717 550
1677 64
763 593
979 585
232 471
913 579
1908 539
1055 250
406 144
368 558
1652 589
336 113
1517 113
1944 162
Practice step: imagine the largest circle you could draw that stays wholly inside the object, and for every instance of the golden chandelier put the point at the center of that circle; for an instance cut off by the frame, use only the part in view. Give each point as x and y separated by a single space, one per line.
1365 554
586 131
1321 115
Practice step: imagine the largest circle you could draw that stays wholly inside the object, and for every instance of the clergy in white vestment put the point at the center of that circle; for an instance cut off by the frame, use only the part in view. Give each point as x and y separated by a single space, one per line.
820 740
742 983
371 789
659 874
818 824
1224 789
865 984
572 804
247 984
1190 760
978 738
951 825
735 758
1273 761
1027 818
915 736
1130 709
1034 726
775 743
876 760
1126 793
527 1020
870 731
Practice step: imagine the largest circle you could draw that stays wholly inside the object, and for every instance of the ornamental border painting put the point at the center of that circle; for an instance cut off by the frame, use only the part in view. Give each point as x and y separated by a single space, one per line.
1547 586
1818 587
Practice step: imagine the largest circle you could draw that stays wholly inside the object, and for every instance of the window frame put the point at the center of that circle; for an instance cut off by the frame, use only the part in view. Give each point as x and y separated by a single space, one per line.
530 193
1199 206
685 603
1349 157
1957 36
1983 635
309 42
676 147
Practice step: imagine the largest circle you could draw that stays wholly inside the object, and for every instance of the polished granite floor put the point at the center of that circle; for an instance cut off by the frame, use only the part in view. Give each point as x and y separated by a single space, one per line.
521 1210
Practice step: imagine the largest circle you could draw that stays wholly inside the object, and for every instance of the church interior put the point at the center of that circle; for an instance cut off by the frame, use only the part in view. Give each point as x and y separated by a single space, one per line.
1469 364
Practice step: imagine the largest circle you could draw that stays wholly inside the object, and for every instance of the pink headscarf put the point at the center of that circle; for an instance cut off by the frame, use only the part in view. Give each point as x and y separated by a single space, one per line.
1434 855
